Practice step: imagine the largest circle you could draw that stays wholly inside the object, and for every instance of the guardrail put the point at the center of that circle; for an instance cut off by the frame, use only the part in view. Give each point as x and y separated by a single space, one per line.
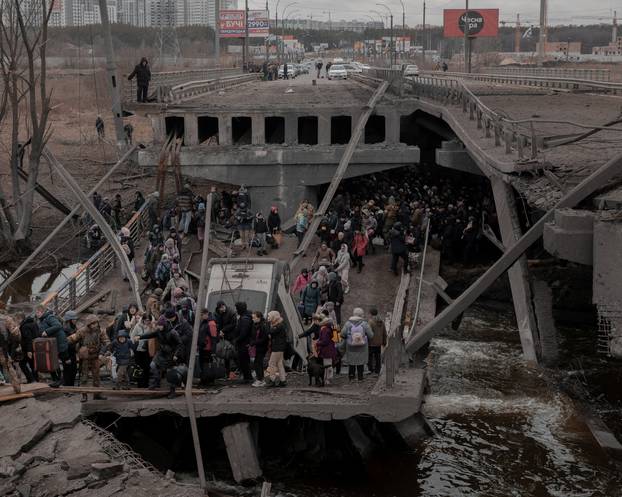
506 133
193 89
76 289
168 79
553 72
535 81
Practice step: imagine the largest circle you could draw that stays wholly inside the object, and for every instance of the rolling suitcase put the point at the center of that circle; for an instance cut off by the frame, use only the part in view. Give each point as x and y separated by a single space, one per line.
45 351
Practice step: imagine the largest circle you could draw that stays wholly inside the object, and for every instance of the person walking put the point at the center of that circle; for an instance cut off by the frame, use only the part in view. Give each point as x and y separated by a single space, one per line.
70 367
326 350
100 127
244 330
335 294
142 73
259 343
359 247
260 228
278 340
398 247
29 330
357 333
342 266
50 326
378 341
91 341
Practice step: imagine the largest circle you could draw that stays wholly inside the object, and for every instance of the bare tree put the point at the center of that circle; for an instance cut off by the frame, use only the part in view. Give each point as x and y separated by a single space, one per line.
23 67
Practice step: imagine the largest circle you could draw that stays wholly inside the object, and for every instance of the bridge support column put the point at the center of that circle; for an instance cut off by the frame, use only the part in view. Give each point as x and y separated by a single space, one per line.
224 130
520 283
242 452
191 130
291 129
323 129
259 130
392 128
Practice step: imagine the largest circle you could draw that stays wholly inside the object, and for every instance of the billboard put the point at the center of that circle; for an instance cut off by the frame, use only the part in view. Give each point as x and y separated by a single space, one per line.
231 24
258 24
481 22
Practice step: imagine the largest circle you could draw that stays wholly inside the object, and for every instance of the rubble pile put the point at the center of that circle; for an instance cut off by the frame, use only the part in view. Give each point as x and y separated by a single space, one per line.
46 451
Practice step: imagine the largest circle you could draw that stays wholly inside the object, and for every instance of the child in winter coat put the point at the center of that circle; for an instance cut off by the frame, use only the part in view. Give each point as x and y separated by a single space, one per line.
122 349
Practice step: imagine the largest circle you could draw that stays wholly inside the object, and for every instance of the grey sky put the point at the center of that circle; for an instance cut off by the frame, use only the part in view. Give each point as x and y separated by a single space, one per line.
560 11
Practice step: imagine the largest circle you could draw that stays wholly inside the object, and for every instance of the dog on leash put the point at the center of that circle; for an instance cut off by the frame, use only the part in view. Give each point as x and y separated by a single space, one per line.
315 368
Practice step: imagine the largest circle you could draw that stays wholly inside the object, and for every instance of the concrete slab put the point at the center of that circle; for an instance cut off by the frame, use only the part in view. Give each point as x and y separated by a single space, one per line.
23 426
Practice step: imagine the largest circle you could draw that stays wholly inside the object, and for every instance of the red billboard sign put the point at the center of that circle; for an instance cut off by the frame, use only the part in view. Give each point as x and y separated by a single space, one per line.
480 23
232 24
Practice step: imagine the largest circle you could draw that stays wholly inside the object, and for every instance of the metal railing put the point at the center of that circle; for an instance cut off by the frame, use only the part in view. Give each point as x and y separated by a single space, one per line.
506 133
560 82
193 89
90 274
552 72
169 79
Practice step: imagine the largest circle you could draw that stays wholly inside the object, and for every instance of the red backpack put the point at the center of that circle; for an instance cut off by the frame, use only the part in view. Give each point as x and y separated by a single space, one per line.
212 337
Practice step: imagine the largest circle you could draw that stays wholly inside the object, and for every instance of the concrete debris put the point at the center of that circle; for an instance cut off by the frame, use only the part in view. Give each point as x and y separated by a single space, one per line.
170 475
44 453
289 90
80 467
10 468
107 470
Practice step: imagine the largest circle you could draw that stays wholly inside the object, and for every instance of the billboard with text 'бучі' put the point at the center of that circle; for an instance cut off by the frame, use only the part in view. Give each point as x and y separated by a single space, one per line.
480 23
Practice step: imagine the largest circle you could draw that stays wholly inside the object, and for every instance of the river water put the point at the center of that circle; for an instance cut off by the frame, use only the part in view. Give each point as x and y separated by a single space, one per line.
502 429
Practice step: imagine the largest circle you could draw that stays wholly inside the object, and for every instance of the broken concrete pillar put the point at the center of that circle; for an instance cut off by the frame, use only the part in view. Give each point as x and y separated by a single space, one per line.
360 441
191 129
291 129
224 130
392 128
259 129
519 273
543 302
413 430
324 129
570 236
241 451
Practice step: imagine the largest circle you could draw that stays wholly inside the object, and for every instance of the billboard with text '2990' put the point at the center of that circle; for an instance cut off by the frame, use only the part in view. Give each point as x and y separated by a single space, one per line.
479 22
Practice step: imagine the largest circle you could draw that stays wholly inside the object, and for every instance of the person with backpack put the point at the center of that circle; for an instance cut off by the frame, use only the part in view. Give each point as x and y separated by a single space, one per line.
259 343
243 334
278 342
357 333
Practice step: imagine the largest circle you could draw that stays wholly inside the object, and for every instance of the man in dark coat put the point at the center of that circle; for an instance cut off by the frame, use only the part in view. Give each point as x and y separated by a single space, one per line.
170 347
398 247
50 326
142 73
244 330
29 330
335 293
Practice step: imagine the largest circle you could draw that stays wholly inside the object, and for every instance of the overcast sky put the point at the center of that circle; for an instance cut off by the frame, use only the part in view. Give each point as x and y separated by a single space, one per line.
560 11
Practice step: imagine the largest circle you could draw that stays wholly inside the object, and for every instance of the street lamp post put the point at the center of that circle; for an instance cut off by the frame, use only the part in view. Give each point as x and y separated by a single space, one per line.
282 26
403 28
391 47
382 18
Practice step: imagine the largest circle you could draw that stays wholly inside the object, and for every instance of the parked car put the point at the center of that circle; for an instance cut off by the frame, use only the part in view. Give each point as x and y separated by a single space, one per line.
352 68
291 71
337 71
411 70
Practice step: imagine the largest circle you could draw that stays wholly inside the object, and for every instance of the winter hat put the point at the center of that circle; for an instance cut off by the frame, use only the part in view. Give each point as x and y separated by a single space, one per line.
170 313
125 231
123 333
332 276
358 312
70 316
201 206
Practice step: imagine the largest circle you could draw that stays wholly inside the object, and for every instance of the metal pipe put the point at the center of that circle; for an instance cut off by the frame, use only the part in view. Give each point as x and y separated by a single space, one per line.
99 219
201 298
64 222
425 251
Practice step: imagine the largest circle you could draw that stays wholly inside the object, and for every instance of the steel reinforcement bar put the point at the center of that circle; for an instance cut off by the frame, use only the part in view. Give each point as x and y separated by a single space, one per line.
90 274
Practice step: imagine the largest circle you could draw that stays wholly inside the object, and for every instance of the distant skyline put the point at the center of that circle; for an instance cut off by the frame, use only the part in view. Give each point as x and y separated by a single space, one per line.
559 11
